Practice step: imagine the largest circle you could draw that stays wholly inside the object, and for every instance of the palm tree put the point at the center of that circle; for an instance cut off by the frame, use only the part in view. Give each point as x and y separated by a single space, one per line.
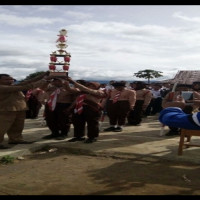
148 74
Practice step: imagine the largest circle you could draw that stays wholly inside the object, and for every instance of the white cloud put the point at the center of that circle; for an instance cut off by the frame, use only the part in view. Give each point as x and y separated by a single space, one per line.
46 8
78 15
26 21
100 48
186 18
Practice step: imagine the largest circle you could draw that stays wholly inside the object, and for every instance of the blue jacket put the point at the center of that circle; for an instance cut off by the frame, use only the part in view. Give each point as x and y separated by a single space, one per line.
175 117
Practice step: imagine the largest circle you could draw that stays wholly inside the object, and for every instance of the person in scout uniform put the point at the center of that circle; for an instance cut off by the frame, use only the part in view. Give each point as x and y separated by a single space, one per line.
59 96
143 98
87 109
120 101
13 107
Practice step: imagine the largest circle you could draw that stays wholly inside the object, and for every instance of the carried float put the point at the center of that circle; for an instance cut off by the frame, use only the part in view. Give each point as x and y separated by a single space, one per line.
55 57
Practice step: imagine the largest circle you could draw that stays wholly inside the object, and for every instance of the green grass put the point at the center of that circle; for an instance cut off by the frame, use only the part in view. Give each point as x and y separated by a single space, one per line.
7 159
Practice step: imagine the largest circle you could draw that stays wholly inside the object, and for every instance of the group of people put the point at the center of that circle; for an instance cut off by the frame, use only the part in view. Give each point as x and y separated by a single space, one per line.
82 103
180 113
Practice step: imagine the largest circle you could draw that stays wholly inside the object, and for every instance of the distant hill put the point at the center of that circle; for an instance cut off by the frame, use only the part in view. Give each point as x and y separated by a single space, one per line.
129 81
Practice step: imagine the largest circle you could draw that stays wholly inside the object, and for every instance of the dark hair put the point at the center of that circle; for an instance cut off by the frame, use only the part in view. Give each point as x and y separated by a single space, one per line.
139 85
82 82
119 84
3 75
196 83
56 79
157 84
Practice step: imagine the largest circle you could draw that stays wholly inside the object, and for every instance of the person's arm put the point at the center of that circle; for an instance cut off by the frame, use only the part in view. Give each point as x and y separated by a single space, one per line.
132 99
70 89
37 78
83 88
173 100
196 99
42 98
14 88
147 99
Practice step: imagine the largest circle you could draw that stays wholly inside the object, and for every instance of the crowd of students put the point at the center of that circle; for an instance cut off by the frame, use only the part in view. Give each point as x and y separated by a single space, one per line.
83 103
124 104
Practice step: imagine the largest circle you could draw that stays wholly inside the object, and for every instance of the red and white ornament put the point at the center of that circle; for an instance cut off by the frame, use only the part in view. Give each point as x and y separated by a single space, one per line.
61 38
67 58
52 67
53 58
65 67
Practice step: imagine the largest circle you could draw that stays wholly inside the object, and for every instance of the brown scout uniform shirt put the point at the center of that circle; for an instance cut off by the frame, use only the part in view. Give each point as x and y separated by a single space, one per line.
92 94
126 95
12 97
65 96
145 95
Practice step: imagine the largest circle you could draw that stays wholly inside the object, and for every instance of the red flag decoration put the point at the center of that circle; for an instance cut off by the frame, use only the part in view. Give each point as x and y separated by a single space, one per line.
79 104
53 99
116 97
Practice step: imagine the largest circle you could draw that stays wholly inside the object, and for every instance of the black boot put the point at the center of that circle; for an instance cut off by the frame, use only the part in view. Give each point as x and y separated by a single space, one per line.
51 136
62 137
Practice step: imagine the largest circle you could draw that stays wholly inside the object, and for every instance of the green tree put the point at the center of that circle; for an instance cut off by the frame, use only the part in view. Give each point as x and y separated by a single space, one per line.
148 74
33 75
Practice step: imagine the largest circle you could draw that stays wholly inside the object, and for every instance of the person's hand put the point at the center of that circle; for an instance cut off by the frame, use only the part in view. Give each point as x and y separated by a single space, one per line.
66 83
48 77
144 107
189 101
131 108
70 80
47 73
43 74
179 98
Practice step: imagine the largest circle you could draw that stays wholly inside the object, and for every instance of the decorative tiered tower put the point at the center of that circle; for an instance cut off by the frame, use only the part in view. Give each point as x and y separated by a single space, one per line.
60 53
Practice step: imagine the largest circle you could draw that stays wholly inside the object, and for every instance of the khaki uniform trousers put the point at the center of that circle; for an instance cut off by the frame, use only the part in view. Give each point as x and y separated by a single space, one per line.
12 123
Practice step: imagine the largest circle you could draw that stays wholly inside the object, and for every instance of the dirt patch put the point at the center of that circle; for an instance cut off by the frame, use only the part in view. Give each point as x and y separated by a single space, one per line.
58 171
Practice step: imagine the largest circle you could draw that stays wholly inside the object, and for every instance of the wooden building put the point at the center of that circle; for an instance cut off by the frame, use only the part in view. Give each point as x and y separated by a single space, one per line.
186 77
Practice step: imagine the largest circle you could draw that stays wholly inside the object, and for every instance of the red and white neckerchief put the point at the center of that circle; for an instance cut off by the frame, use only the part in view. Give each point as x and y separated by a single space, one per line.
116 97
28 94
53 99
79 104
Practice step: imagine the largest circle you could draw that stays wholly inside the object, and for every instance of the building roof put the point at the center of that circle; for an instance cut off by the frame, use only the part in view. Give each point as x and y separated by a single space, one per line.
186 77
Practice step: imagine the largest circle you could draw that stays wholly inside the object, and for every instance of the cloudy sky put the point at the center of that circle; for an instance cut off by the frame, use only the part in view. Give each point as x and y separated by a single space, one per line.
105 42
